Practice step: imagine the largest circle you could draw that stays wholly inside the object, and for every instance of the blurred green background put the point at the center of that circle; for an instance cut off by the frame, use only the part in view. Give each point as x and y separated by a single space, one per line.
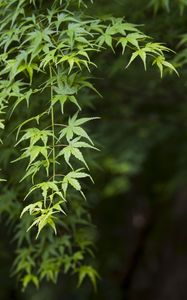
139 200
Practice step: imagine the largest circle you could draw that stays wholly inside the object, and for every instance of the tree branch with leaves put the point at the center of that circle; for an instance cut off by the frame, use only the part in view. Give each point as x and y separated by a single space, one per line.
47 55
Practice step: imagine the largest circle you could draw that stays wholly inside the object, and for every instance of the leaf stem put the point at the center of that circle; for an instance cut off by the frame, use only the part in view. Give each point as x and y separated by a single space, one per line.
53 127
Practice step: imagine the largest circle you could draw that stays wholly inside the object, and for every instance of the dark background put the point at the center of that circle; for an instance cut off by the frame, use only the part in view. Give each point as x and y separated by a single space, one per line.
139 200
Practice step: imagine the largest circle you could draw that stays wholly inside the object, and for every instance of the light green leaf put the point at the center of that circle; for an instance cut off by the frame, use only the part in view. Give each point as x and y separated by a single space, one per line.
90 272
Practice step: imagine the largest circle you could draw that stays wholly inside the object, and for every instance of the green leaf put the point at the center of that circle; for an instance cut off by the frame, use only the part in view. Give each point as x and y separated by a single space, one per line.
77 154
73 128
71 178
35 134
137 53
90 272
32 208
161 63
30 278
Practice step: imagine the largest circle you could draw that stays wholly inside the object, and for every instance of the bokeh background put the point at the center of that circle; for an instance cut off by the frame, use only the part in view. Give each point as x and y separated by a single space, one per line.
139 200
